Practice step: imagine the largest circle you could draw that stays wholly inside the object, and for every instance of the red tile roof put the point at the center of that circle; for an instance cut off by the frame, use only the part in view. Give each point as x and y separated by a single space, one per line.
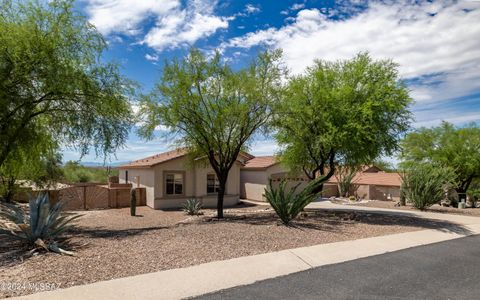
156 159
166 156
380 178
261 162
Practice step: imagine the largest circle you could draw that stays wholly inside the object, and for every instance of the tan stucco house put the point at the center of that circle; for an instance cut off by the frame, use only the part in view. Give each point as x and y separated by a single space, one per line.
169 180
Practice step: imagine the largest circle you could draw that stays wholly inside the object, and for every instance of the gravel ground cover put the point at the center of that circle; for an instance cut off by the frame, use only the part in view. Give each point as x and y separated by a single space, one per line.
434 208
111 244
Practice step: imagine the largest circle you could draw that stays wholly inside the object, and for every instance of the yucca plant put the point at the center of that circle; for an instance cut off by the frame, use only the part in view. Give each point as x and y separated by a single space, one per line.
288 203
425 184
41 228
192 207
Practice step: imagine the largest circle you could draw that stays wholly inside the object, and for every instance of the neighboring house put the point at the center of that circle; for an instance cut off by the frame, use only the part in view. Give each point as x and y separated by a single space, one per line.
370 183
377 185
170 180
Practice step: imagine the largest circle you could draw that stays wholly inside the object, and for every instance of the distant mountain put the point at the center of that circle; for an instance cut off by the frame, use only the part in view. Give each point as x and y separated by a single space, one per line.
94 164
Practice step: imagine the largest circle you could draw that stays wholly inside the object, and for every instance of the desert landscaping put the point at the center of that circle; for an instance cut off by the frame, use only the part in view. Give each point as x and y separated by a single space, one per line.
111 243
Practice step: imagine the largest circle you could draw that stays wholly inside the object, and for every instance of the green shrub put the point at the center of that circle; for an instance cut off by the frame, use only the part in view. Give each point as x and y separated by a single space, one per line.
74 173
41 228
425 184
192 207
288 204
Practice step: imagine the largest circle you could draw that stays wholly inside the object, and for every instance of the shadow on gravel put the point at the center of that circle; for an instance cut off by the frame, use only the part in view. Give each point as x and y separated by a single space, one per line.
104 233
329 220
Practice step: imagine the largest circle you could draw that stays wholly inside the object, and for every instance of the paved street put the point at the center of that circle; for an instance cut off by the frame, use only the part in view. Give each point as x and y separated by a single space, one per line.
446 270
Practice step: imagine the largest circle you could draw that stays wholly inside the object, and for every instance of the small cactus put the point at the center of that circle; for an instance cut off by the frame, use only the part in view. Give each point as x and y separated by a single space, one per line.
133 202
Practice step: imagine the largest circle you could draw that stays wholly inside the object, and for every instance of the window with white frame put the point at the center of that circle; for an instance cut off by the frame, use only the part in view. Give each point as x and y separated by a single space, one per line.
174 183
212 184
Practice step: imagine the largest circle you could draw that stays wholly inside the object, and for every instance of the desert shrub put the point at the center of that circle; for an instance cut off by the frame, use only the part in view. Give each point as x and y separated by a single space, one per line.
425 184
288 203
345 176
474 196
41 228
192 207
74 173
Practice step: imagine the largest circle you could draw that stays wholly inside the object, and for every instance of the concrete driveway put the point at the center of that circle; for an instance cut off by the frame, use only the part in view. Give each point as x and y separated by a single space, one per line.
446 270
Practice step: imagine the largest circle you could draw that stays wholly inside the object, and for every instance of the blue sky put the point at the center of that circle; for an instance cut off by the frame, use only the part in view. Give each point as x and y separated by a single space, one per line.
437 45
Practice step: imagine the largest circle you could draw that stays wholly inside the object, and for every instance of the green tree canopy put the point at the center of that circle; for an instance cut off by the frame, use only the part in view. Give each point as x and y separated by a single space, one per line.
41 165
448 146
212 109
346 112
53 84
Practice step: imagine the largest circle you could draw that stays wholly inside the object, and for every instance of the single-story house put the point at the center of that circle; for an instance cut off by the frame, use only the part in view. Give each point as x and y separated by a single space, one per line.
378 185
170 179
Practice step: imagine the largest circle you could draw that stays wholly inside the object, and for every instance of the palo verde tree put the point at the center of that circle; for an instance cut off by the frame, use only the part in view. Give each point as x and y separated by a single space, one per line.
53 83
446 146
341 112
212 109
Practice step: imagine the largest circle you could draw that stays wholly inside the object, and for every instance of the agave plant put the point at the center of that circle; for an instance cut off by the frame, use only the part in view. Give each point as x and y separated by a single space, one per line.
288 203
192 207
41 228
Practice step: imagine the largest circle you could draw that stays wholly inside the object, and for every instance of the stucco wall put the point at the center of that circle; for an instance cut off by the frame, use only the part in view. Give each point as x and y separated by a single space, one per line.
253 184
233 181
146 178
385 193
329 190
175 165
194 183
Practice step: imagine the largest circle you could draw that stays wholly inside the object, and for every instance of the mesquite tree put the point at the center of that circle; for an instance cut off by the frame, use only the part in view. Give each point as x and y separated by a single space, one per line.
211 109
446 146
54 89
341 112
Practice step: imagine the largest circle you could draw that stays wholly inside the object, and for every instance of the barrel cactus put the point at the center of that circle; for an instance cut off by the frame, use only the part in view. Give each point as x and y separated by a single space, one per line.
133 202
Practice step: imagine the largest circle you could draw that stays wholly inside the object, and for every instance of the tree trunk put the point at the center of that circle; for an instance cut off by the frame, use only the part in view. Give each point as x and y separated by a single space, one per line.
331 171
220 196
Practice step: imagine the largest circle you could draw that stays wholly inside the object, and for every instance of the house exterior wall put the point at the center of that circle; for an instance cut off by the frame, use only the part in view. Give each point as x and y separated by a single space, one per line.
377 192
142 178
194 184
330 190
385 193
253 184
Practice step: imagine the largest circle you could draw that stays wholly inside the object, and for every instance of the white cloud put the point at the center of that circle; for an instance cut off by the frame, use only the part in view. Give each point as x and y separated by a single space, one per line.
186 26
425 39
125 16
297 6
151 57
175 25
251 9
264 147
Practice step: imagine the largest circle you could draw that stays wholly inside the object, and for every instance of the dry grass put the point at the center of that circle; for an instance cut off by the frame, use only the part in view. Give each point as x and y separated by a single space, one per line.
120 245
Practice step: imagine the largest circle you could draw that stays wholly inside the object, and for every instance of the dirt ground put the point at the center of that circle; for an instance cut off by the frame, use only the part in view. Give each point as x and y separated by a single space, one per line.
434 208
111 244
